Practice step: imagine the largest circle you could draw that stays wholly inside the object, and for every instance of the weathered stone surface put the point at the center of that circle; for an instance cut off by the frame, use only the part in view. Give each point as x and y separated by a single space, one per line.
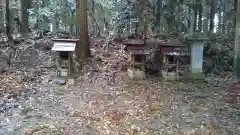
195 76
136 74
171 76
59 81
64 72
71 81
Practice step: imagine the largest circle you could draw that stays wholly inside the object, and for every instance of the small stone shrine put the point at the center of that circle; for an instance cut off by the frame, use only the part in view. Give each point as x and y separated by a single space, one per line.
64 49
137 51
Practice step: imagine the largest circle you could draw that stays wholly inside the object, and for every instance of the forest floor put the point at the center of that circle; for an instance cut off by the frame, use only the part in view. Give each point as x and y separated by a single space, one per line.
104 102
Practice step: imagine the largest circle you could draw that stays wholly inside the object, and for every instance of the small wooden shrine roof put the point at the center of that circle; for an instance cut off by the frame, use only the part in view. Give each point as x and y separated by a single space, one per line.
138 46
64 40
164 43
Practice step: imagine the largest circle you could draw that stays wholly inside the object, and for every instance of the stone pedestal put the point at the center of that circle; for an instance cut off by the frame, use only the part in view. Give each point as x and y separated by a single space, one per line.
64 72
197 48
197 57
170 76
136 74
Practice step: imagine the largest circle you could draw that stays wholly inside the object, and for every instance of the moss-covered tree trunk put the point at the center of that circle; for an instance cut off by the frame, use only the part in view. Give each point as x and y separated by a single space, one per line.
83 50
237 43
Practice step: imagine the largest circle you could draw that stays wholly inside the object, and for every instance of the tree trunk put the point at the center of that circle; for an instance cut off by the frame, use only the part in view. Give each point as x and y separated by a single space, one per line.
93 22
24 16
158 16
237 43
220 16
8 22
178 20
194 18
224 17
200 19
212 15
235 9
206 17
83 49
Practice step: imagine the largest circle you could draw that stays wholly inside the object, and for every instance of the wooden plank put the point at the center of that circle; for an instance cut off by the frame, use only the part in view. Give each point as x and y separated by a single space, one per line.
65 40
64 46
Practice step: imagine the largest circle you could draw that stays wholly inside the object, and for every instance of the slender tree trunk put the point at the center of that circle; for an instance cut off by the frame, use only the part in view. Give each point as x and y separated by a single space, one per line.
235 9
178 21
158 15
200 20
24 16
93 22
237 43
189 20
220 16
83 49
224 17
8 22
206 17
212 15
193 21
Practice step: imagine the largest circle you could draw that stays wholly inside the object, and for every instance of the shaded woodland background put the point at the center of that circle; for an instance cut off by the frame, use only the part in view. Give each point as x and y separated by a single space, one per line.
103 101
215 19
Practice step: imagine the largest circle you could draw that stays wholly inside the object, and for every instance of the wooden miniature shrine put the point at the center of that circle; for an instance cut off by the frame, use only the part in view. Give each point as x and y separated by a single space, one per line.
65 49
176 59
137 51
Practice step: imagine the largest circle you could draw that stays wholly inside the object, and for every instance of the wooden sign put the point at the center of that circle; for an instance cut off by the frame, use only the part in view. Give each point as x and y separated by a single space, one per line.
64 46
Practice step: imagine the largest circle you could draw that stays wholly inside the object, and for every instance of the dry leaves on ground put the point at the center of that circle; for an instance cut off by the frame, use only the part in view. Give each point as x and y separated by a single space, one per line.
9 85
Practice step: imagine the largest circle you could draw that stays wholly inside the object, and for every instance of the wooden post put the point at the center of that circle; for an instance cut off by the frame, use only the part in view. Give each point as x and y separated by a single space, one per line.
69 63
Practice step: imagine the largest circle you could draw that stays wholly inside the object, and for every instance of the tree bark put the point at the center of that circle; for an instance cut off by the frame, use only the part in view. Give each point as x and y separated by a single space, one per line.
235 10
8 22
83 50
205 17
224 17
24 16
212 15
193 21
200 12
237 43
220 16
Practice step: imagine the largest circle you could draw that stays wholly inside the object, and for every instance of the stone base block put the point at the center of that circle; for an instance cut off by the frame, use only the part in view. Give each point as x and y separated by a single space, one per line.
136 74
171 76
64 72
71 81
195 76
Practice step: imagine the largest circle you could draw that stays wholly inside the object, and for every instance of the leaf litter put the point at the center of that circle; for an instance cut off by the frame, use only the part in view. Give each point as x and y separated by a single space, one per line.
103 102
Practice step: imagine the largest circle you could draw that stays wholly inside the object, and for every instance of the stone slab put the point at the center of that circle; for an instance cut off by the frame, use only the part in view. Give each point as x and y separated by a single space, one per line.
195 76
71 81
136 74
